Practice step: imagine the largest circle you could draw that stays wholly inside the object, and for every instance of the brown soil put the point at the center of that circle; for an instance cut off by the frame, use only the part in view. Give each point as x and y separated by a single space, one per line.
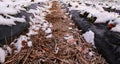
57 50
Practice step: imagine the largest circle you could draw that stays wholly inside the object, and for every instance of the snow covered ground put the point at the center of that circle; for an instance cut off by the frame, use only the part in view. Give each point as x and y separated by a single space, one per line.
9 8
102 30
94 8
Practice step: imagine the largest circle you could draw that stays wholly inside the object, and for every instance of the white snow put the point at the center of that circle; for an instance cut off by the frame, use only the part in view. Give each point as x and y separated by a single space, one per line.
117 21
8 49
48 30
89 37
8 8
96 10
91 53
68 37
17 19
39 21
10 21
18 44
29 43
116 28
5 10
31 32
49 36
41 0
70 28
4 21
105 16
2 55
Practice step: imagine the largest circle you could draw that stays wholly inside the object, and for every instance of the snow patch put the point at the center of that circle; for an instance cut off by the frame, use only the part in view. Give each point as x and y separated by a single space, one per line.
2 55
49 36
116 28
89 37
29 43
18 44
7 49
10 8
67 36
91 53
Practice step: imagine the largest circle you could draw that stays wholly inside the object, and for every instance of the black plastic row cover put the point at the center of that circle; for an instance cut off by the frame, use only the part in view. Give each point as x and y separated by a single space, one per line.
8 33
107 42
111 10
35 5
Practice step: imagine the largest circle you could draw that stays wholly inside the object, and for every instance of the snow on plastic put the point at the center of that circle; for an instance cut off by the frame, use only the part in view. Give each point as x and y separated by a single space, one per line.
89 37
13 7
2 55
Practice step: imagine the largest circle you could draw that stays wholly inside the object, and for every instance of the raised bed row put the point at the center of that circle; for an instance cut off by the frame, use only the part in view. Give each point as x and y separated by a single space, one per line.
8 33
106 41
